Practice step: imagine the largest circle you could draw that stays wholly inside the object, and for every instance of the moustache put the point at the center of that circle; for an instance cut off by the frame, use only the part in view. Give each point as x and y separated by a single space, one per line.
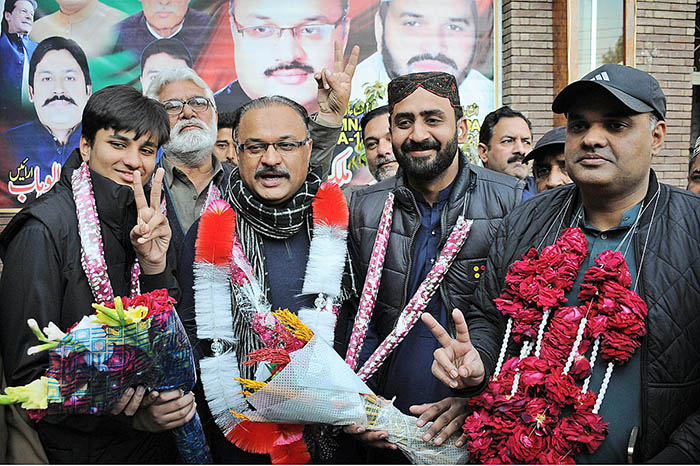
412 146
429 56
294 65
191 121
515 158
263 171
57 98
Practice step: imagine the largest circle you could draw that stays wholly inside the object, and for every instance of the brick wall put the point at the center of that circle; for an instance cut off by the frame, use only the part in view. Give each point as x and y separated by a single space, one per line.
665 40
528 61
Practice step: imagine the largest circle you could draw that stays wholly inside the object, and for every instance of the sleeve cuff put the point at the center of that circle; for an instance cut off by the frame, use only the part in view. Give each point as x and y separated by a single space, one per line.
155 282
317 118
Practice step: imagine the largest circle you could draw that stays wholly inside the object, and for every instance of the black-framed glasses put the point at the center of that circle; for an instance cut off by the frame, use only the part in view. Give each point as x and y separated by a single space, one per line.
310 32
258 148
176 106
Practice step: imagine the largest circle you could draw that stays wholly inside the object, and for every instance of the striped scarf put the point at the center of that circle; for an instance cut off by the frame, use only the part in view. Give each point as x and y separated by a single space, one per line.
255 220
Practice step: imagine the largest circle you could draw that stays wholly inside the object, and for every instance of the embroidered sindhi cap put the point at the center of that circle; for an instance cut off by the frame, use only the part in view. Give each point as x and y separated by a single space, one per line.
637 90
438 83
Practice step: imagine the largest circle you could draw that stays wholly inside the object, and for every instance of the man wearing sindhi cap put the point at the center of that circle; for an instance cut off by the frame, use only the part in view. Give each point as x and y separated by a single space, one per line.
645 376
435 192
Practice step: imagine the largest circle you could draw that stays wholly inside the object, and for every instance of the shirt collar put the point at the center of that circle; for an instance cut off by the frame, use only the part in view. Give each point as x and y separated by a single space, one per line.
158 36
629 217
170 168
81 15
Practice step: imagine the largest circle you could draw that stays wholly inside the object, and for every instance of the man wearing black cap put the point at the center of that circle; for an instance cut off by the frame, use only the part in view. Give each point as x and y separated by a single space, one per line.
434 188
549 167
615 127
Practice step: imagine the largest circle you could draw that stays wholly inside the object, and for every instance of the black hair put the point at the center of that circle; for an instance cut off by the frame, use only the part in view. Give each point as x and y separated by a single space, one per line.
9 8
227 119
371 115
123 108
59 43
492 119
266 102
173 47
344 4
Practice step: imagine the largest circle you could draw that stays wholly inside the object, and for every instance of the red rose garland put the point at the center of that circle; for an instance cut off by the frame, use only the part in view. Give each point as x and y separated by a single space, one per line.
533 410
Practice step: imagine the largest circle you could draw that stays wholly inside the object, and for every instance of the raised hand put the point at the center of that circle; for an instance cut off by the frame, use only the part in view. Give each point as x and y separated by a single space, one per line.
334 87
150 237
457 364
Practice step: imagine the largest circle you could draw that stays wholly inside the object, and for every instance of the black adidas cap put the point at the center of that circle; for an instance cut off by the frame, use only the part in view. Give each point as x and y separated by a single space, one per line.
552 139
637 90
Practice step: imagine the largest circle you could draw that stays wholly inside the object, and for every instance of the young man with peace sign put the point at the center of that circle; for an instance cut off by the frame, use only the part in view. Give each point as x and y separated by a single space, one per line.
43 250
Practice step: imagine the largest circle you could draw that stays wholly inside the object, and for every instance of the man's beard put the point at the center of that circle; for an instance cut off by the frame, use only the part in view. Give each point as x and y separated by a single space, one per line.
192 147
425 168
394 70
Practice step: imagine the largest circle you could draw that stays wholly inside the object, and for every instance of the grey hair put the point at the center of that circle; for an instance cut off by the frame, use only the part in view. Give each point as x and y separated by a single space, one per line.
174 75
267 102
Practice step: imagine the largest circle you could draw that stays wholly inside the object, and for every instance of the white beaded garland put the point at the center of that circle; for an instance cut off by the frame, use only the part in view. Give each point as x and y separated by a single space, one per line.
603 387
504 346
540 332
577 342
594 355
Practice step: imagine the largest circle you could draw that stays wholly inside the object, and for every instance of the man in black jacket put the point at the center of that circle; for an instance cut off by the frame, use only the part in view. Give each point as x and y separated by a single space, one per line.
435 186
43 277
615 127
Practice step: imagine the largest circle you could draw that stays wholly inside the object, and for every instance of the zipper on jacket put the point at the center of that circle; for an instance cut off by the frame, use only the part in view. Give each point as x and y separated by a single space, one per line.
405 299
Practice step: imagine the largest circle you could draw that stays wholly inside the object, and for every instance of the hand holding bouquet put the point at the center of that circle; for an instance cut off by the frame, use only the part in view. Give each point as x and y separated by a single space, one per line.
128 342
303 380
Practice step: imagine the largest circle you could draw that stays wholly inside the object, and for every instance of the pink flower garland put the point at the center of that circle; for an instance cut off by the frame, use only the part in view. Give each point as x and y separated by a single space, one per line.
92 248
410 314
369 292
526 424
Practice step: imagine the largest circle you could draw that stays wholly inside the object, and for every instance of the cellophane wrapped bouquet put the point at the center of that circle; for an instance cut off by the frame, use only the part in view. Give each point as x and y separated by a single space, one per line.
125 343
301 379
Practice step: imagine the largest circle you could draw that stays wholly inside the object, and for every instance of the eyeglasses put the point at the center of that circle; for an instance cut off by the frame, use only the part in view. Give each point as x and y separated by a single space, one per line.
197 103
257 149
306 32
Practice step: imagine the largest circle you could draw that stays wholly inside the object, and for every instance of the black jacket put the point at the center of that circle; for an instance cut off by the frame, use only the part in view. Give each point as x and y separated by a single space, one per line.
670 285
484 195
43 279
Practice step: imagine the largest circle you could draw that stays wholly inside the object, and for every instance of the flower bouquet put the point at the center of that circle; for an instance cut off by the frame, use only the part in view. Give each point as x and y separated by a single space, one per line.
537 407
303 380
127 342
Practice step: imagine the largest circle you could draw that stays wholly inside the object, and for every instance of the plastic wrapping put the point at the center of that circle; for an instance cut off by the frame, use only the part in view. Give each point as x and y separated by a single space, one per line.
317 386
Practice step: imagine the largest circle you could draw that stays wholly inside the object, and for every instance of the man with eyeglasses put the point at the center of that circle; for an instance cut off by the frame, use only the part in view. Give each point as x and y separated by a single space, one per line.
272 191
421 35
192 171
280 48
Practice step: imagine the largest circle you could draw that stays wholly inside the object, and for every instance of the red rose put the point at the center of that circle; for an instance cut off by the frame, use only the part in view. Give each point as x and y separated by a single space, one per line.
524 444
561 388
581 368
618 347
595 326
585 428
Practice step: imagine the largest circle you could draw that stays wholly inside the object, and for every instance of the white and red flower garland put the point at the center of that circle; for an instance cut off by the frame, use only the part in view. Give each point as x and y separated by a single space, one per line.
222 269
533 410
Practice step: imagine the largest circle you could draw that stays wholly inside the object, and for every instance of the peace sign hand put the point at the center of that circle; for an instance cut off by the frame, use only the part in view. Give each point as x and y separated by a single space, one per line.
334 88
150 236
457 364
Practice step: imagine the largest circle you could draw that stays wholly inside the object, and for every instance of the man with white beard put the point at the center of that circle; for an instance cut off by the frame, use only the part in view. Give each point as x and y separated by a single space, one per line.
192 169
